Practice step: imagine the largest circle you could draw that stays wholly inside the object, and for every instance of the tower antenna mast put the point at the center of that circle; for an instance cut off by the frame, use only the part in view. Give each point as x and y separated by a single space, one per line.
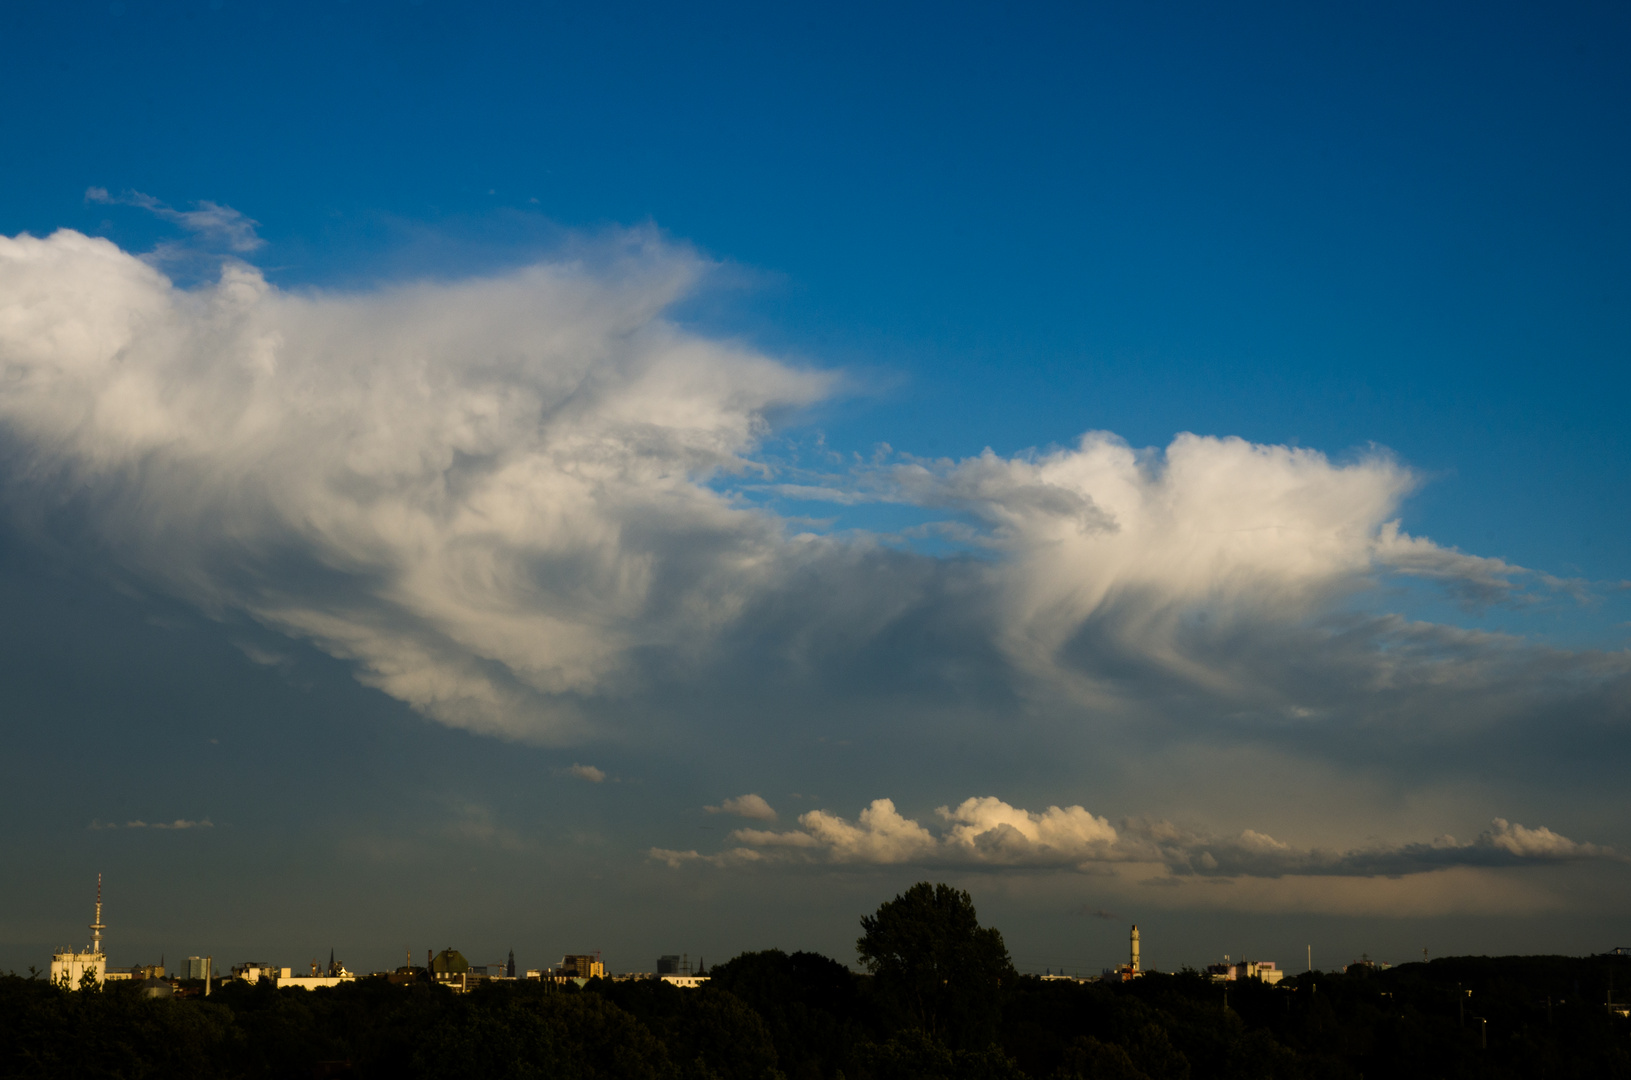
97 927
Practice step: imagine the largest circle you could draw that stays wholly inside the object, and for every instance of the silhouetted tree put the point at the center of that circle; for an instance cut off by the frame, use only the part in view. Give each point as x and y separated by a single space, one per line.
935 963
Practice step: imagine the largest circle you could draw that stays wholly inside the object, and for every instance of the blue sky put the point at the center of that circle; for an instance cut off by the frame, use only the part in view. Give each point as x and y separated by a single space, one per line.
353 244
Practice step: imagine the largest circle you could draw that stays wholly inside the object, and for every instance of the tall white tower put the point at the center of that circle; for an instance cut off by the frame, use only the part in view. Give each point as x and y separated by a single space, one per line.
1135 948
97 927
69 968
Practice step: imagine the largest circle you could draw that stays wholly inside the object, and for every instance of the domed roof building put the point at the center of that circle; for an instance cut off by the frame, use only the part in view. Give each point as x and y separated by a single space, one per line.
450 968
449 962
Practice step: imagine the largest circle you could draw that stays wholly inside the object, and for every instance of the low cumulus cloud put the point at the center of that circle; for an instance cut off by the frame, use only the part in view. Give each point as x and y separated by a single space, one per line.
515 501
748 806
988 833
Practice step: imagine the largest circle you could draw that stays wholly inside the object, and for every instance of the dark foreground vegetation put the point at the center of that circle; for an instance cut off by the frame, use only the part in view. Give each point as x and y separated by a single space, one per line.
941 1001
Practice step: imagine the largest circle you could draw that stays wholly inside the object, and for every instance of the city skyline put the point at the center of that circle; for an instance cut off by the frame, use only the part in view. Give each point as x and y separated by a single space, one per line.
669 965
634 479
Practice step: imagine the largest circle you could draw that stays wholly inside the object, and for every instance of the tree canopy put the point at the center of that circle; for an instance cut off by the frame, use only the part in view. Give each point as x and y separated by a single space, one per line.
936 964
943 1005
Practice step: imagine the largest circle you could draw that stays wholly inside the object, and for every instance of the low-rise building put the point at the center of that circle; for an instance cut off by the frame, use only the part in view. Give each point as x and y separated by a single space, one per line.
312 982
139 973
253 971
1264 970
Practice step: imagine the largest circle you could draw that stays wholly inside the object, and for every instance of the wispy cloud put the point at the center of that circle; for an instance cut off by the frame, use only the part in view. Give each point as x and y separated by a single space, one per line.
474 823
210 221
178 823
1476 580
989 833
733 857
260 655
589 773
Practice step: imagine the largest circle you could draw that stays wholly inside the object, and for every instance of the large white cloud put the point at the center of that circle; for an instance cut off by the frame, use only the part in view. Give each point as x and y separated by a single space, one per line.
485 493
1124 546
507 499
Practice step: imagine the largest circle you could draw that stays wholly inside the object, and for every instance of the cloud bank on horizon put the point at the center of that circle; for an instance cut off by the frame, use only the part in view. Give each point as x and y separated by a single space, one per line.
511 500
989 833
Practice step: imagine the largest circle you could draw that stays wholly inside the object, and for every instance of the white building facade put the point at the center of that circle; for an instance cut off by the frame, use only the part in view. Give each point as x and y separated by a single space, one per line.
69 968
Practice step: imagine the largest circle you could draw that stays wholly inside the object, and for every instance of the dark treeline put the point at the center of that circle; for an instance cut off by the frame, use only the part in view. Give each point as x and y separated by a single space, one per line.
941 1000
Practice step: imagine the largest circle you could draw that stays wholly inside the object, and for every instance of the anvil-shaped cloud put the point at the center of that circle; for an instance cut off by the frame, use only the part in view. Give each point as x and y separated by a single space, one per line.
508 500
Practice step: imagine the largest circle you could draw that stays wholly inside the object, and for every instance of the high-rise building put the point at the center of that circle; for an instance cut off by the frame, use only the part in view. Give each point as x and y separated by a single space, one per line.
198 967
69 968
